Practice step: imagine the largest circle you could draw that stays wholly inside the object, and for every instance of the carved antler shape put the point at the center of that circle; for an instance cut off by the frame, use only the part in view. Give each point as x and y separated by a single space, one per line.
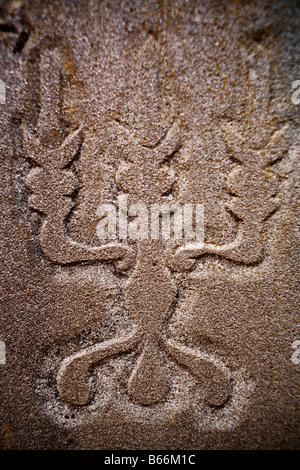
252 184
254 188
53 183
143 174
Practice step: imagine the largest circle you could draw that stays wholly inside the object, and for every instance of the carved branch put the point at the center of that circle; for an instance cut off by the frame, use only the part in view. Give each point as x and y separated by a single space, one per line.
53 184
254 188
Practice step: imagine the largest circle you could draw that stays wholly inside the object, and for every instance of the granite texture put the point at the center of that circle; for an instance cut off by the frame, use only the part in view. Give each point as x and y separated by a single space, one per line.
149 344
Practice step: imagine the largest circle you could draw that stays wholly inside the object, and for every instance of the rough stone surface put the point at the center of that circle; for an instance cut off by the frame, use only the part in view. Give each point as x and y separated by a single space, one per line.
149 344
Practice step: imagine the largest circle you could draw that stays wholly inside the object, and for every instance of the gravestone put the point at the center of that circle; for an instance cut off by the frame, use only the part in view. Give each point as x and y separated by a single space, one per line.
160 336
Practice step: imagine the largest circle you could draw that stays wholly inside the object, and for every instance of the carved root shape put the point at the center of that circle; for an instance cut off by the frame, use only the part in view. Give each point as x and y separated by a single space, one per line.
73 377
211 373
149 382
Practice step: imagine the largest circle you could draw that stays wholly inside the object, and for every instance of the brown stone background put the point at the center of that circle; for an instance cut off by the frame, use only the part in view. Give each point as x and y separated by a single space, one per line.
203 59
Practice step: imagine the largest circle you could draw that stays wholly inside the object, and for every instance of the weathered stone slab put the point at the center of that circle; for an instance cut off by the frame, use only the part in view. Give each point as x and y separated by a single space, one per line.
116 116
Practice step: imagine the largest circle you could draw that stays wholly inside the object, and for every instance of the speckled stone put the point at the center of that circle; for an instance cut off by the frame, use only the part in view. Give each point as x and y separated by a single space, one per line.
149 344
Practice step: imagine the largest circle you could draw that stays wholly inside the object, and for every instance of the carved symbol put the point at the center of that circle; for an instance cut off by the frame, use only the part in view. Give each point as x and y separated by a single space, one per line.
150 291
254 189
149 294
52 183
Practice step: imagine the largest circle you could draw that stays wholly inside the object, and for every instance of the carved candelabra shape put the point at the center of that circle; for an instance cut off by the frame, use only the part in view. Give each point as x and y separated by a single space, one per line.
150 292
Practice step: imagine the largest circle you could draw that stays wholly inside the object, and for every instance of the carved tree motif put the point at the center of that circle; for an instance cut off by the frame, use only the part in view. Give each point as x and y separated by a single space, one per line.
150 291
